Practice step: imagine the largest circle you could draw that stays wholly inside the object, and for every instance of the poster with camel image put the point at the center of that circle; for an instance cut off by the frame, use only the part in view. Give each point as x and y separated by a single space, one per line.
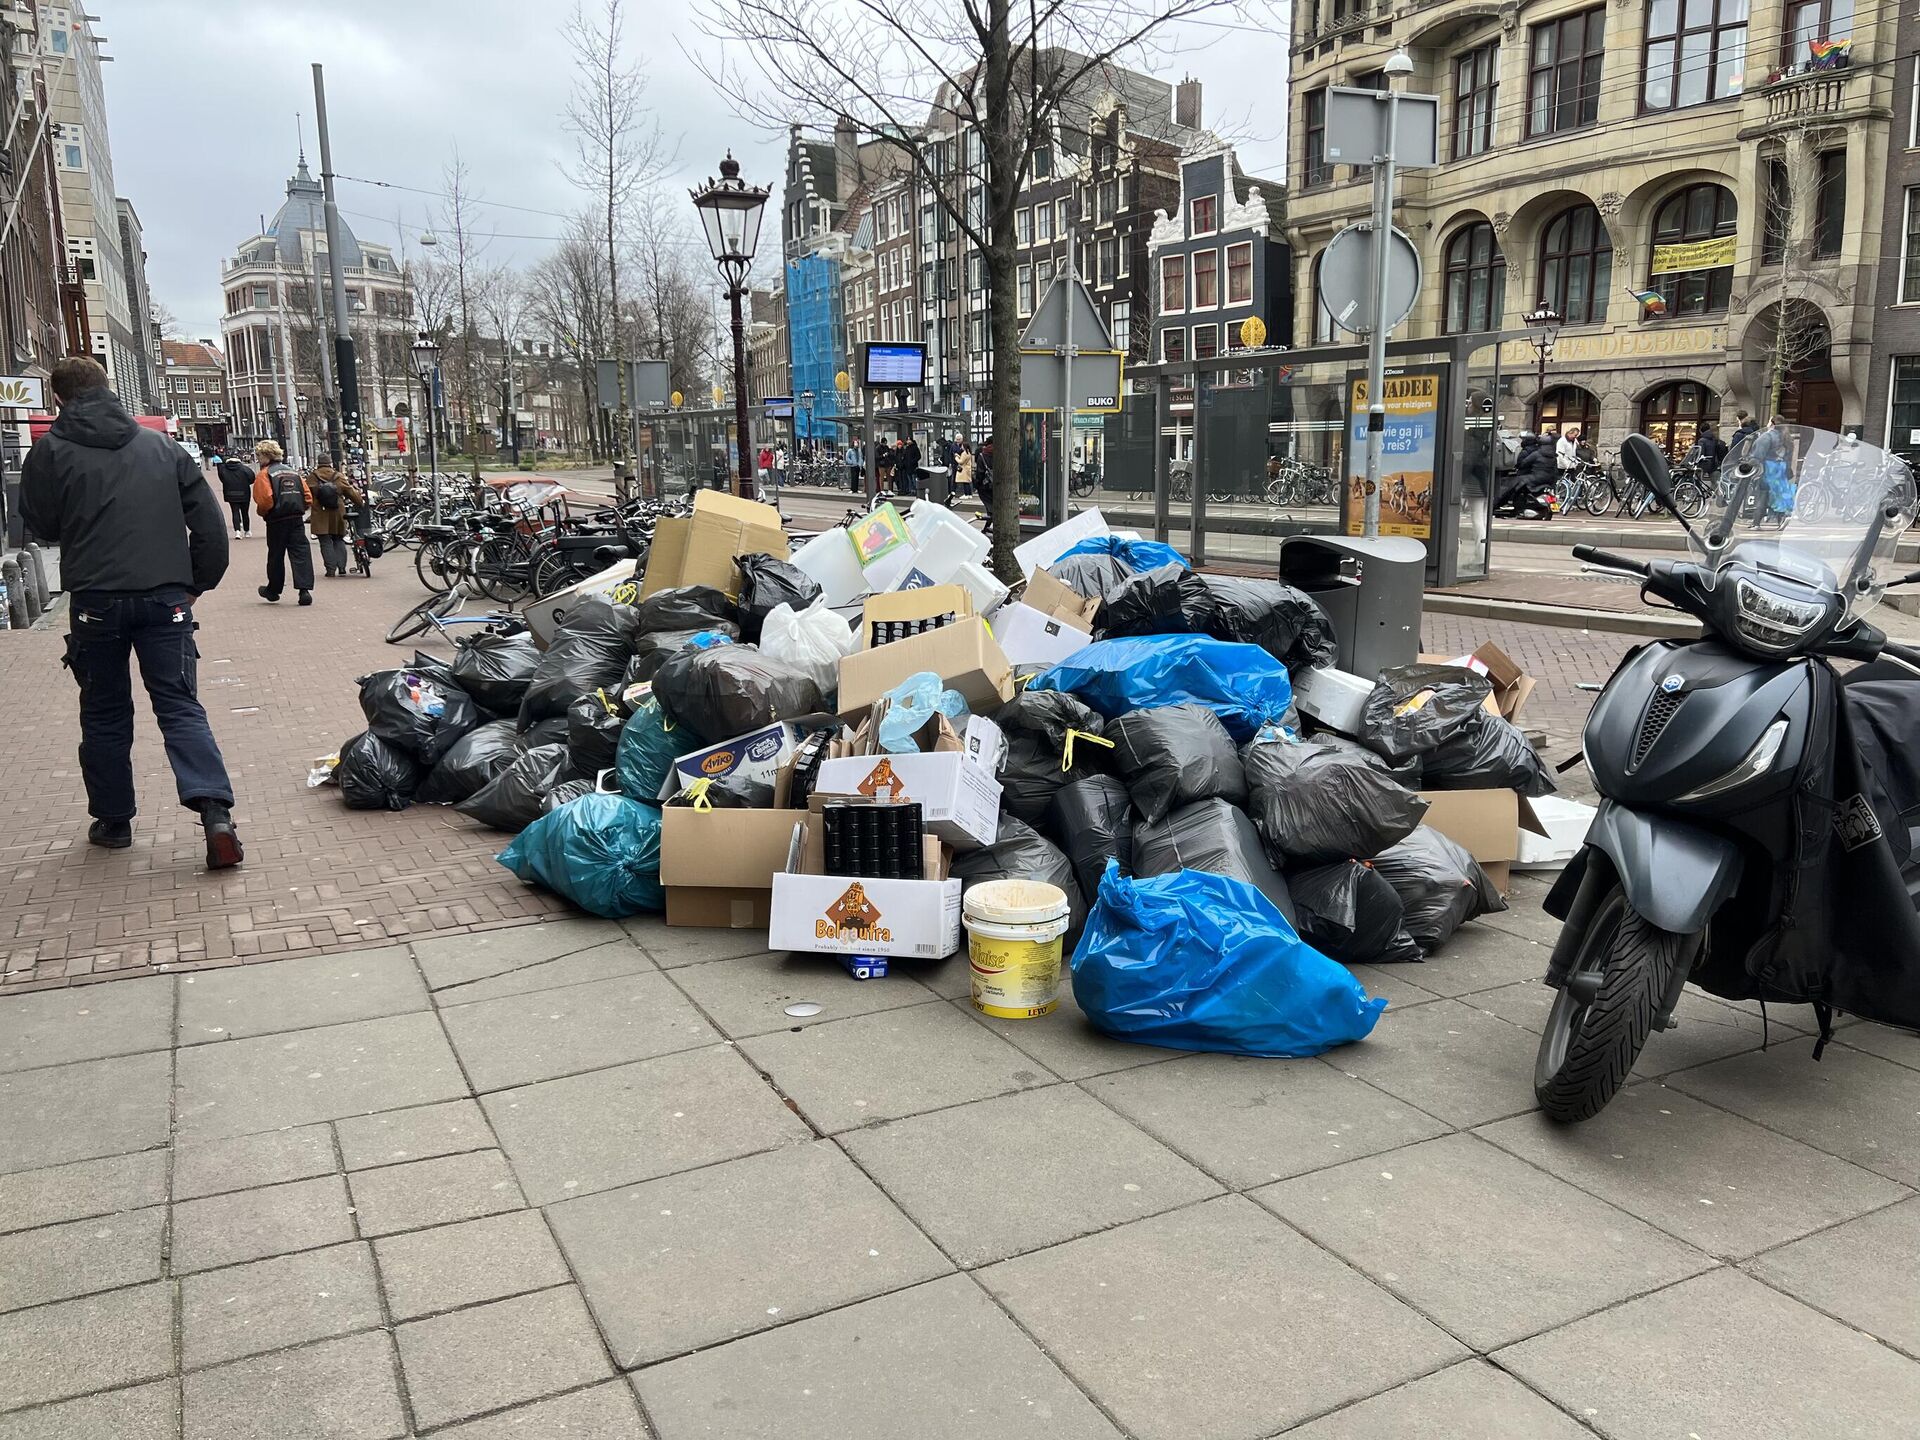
1407 453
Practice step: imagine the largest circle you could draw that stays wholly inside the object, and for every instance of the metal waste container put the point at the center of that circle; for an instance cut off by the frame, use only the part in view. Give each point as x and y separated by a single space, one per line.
1370 589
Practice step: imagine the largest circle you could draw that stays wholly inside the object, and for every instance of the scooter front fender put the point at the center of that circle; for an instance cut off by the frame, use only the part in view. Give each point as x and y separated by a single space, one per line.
1675 874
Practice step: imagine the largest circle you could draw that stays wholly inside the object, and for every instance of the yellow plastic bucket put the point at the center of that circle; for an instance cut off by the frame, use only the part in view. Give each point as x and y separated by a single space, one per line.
1013 946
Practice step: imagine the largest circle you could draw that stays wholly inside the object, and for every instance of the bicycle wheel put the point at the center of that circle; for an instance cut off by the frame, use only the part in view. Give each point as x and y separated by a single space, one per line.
1596 496
1690 499
500 569
420 617
430 563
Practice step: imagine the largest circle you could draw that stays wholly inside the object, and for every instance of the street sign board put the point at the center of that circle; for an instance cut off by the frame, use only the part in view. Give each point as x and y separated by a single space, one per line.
1098 381
1357 128
778 407
1347 280
1053 324
647 383
23 392
893 364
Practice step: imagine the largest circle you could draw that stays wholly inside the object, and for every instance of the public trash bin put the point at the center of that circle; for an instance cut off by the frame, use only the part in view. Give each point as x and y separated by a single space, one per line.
1370 589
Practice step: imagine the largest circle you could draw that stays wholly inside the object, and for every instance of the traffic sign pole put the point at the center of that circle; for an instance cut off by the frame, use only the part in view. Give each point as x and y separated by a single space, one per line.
1377 338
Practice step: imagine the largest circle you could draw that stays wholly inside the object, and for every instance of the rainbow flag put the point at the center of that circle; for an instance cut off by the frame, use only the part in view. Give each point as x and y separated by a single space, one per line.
1829 53
1652 302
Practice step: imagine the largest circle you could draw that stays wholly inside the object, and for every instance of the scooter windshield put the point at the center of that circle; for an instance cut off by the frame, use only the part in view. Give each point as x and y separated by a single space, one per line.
1822 509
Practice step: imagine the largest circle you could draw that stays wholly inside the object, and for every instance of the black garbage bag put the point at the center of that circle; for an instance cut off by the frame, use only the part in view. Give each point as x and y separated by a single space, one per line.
589 652
434 668
729 690
1174 755
420 714
373 775
474 760
738 791
594 723
768 581
496 670
1314 804
1037 725
1415 709
1092 577
654 649
1490 753
692 608
1406 771
1021 852
566 793
1169 600
1213 835
1092 820
1349 910
1439 884
1287 623
515 798
550 731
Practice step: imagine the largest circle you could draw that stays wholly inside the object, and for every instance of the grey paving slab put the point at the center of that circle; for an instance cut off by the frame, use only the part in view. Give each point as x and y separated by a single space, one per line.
1041 1166
937 1362
1484 1243
1066 1042
749 995
1214 1320
1721 1355
273 1081
491 1356
1698 1172
1900 1046
1469 1399
335 1390
1524 915
605 1412
433 1192
426 1271
1865 1272
78 1346
1479 958
31 1198
672 946
693 1260
1398 984
87 1022
304 994
1707 1030
80 1111
144 1412
253 1224
602 962
1248 1120
952 977
273 1157
458 959
542 1036
80 1257
1850 1104
271 1304
395 1136
899 1062
636 1122
1448 1059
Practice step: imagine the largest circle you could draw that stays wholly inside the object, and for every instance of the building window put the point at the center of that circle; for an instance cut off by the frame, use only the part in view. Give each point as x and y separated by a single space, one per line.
1042 224
259 297
1830 204
1173 283
1042 163
1567 405
1024 277
1671 415
1777 215
1563 73
1693 250
1120 324
1109 261
1060 216
1023 227
1314 167
1322 317
1903 417
1109 198
1173 346
1240 274
1476 86
199 386
1810 20
1206 279
1205 215
1206 341
1694 54
1576 265
1476 280
1042 277
1910 250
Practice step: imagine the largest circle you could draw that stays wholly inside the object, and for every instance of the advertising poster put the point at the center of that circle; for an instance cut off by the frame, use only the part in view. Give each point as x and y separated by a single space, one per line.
1407 456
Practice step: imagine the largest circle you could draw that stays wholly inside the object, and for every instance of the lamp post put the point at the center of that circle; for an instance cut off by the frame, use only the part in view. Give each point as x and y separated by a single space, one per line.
730 211
1545 322
426 360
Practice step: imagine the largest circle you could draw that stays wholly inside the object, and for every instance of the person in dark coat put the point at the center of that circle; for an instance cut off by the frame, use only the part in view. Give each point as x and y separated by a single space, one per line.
1711 449
236 488
1535 473
281 496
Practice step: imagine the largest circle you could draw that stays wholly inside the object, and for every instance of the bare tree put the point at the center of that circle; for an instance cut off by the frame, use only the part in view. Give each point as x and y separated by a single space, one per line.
168 323
672 320
1793 231
567 297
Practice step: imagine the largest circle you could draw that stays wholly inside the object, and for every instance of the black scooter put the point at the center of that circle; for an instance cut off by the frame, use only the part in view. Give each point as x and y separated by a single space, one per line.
1754 832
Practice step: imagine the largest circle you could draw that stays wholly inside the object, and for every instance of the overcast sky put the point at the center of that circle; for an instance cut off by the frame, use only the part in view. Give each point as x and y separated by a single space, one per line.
202 97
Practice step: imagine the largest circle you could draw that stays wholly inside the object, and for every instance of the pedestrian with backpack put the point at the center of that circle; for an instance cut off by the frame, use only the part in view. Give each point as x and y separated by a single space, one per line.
236 488
331 491
281 496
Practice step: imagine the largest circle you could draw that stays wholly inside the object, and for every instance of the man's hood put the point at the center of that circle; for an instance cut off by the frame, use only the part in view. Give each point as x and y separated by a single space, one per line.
96 419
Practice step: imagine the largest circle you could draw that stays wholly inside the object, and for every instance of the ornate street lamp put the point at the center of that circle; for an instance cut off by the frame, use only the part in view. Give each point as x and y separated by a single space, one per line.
426 361
1545 322
730 210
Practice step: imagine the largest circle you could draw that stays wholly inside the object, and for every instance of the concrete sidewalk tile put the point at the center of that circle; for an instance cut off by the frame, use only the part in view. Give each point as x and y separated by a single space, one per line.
1850 1104
457 959
80 1257
672 946
1900 1046
636 1122
79 1346
1448 1059
1216 1320
1707 1030
749 995
84 1110
89 1022
253 1224
692 1260
952 977
606 1412
937 1362
32 1198
1480 958
273 1157
395 1136
1066 1042
1249 1120
1041 1166
542 1036
334 1390
433 1192
272 1081
272 1304
304 994
1398 984
898 1062
1711 1178
1484 1243
1524 915
425 1271
1723 1355
602 962
145 1412
1468 1399
499 1354
1866 1272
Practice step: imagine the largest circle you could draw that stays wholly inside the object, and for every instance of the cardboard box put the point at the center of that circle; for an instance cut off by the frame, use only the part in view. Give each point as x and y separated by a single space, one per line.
698 549
718 865
544 616
1484 823
959 798
758 756
1334 698
924 603
1033 640
965 657
841 915
1050 597
1511 684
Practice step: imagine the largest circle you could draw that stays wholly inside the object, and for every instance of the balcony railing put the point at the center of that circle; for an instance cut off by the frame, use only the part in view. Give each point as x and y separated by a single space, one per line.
1809 91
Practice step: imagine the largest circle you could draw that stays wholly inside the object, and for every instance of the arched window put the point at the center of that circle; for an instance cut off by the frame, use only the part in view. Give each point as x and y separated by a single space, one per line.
1566 405
1576 265
1476 278
1322 317
1692 263
1671 415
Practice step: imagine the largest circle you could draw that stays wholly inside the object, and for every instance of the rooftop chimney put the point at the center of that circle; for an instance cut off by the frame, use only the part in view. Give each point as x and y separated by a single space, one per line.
1186 103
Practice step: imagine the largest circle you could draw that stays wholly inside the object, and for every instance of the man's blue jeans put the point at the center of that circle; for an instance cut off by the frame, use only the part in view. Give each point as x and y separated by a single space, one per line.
157 627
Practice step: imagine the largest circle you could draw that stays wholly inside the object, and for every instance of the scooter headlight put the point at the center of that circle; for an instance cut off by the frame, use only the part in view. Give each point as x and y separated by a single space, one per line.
1771 620
1758 762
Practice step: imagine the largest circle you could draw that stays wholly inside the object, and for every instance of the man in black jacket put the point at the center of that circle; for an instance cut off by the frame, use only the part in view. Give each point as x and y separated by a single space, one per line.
141 539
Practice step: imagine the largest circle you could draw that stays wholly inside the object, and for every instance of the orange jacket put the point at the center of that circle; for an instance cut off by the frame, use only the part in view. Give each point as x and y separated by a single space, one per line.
263 490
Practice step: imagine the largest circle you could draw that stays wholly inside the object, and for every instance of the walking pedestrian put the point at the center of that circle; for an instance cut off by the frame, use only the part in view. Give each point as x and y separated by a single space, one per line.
906 466
983 480
856 466
141 540
281 496
331 491
962 468
236 487
719 470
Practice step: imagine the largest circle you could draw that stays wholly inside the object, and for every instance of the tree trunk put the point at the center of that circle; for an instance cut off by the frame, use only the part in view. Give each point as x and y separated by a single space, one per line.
1002 141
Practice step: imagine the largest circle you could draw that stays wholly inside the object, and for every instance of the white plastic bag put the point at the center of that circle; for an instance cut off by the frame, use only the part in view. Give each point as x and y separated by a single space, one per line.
811 641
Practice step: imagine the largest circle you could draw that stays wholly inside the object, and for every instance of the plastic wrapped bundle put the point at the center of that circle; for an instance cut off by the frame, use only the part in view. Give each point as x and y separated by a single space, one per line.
422 715
516 797
1175 755
1439 884
1092 820
732 689
594 725
1135 554
589 652
768 582
600 851
1314 804
686 607
1283 621
373 775
1350 911
1170 600
474 760
1242 684
1415 709
1022 853
496 670
648 744
1489 753
1052 739
1214 836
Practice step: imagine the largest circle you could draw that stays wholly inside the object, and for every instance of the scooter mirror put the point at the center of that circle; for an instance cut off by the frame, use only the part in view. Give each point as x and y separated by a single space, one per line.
1646 462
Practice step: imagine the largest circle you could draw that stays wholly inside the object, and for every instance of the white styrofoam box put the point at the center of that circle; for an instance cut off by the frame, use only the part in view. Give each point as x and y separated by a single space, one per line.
929 565
889 570
1031 639
1335 698
829 559
1566 823
987 592
936 529
1049 545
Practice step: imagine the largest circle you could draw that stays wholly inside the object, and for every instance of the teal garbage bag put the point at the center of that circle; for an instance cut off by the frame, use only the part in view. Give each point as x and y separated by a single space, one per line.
1197 961
1243 684
1140 554
601 851
648 744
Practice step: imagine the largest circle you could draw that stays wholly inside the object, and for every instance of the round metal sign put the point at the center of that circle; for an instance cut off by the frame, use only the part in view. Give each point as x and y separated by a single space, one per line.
1346 278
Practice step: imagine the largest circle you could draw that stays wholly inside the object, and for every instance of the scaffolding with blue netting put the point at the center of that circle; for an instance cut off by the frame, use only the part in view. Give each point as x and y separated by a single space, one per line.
815 324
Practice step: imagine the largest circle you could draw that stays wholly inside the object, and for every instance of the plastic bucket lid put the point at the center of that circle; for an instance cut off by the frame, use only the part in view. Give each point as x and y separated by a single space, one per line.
1015 902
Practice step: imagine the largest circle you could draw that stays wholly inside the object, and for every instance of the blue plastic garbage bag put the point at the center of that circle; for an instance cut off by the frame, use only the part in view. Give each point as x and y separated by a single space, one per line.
1242 684
1140 554
911 704
601 851
648 744
1197 961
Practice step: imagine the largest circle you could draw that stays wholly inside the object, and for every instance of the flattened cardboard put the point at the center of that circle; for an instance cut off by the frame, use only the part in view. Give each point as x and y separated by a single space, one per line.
698 549
965 657
1511 684
1050 597
1033 640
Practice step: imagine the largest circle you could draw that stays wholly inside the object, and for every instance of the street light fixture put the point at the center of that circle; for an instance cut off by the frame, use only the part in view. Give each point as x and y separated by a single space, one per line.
730 211
1545 322
426 362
